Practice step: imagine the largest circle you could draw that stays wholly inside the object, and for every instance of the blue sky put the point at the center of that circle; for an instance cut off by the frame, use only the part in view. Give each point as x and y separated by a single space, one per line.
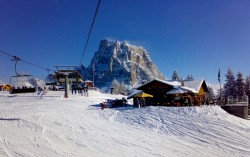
194 37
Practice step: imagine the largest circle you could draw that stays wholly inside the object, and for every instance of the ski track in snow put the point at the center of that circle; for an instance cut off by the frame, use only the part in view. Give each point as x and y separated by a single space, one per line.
55 126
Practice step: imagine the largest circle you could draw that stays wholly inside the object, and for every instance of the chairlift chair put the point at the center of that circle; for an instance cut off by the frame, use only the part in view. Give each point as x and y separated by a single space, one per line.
21 84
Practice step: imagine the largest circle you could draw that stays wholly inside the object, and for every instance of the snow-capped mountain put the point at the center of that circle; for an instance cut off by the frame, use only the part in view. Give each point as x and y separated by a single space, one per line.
123 62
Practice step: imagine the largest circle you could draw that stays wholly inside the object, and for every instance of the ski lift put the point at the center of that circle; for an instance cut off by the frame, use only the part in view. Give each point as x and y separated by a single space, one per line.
21 83
50 80
66 74
71 71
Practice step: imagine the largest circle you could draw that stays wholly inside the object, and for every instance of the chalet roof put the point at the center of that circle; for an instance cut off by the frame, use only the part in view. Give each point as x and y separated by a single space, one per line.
88 81
195 84
139 93
171 83
189 85
134 93
177 91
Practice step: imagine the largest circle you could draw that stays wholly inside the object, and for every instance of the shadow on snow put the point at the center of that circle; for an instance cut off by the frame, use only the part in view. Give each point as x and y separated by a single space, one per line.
10 119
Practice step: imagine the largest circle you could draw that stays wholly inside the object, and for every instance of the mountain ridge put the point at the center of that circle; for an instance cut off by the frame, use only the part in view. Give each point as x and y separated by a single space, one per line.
121 61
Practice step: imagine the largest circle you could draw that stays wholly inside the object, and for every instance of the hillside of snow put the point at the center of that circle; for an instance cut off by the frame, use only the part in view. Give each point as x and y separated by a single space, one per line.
77 127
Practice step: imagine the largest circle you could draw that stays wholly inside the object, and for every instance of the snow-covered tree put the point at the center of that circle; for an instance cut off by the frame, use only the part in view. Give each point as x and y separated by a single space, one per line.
240 85
175 76
122 89
115 85
210 93
230 85
190 77
118 88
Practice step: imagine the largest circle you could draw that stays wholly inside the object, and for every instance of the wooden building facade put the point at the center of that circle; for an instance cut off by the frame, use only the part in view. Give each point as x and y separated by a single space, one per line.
175 93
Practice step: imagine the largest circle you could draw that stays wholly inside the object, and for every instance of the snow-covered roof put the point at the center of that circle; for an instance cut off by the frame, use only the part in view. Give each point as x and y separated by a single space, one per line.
189 85
134 93
176 91
189 89
88 81
171 83
195 84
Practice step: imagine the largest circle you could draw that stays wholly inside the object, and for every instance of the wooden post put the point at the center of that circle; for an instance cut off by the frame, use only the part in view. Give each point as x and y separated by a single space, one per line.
66 95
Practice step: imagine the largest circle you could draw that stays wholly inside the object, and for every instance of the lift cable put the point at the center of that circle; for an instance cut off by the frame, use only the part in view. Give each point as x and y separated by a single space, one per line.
15 58
6 53
96 11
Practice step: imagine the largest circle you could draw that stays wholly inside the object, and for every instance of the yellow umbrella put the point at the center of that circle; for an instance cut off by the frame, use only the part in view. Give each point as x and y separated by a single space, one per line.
138 94
143 95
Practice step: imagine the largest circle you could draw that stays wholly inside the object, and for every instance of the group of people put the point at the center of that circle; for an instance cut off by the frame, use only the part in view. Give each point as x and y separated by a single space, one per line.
139 102
81 88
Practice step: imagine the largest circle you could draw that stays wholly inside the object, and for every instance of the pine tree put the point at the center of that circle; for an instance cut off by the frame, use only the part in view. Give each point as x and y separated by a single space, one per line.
240 85
175 76
247 86
229 86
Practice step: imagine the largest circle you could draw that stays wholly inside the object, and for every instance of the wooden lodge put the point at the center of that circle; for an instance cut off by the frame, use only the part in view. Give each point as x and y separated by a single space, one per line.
172 93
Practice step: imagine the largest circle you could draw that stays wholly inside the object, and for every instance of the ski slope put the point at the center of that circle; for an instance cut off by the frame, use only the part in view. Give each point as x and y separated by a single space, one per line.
53 126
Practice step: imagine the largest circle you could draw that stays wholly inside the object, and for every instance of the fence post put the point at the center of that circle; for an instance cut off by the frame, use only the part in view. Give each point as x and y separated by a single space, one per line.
247 101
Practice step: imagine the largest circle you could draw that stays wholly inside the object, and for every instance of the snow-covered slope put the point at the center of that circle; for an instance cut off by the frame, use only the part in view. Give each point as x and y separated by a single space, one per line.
55 126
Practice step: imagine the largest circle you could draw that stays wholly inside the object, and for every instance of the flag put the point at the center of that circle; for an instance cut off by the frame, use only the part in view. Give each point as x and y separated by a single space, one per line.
219 75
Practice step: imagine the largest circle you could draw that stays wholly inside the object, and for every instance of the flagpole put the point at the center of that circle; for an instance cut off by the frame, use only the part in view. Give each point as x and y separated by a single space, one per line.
220 94
220 86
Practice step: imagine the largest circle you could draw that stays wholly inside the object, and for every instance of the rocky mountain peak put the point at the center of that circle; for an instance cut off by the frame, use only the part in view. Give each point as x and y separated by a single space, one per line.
121 61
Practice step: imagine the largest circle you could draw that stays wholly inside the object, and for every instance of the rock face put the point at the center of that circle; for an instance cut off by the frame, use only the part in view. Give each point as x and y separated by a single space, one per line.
120 61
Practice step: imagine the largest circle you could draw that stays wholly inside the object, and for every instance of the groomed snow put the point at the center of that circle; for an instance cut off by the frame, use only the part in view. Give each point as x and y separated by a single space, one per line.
77 127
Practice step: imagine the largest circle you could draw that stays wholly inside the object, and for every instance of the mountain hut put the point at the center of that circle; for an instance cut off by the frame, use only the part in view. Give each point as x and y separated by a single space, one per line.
174 93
